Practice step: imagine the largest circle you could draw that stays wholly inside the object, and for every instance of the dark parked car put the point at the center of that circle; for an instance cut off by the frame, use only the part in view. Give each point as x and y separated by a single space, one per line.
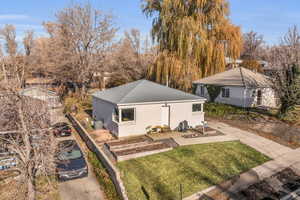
62 129
71 163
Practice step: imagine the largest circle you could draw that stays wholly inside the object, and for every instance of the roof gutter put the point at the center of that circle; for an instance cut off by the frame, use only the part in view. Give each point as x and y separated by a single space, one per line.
202 100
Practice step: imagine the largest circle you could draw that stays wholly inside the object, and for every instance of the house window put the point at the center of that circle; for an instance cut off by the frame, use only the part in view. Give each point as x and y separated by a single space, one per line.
128 114
116 115
254 93
201 90
197 107
225 92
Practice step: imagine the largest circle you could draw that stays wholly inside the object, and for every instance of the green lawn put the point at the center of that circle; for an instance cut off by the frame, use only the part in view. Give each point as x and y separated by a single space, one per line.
196 167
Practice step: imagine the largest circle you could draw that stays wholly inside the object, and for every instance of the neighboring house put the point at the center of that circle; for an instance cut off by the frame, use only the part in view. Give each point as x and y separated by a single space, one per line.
51 98
129 109
239 87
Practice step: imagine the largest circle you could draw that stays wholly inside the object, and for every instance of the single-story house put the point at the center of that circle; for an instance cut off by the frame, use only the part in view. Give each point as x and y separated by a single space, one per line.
239 87
50 97
129 109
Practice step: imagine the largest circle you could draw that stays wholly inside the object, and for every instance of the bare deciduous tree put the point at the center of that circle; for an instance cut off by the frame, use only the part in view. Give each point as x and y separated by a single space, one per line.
252 46
25 133
285 58
79 39
28 42
8 33
130 58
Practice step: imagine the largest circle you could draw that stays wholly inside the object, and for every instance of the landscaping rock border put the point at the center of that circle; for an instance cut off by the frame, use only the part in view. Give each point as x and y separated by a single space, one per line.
138 155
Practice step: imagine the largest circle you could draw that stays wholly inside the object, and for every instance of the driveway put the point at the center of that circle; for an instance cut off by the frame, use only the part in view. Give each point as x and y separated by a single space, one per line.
81 189
86 188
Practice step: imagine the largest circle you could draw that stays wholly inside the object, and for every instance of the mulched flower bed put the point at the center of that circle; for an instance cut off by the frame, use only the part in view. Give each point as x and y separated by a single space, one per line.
206 129
169 141
142 149
128 141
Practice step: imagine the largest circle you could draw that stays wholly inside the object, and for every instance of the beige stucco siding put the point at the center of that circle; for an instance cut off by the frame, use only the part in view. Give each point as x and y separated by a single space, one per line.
183 111
145 115
150 115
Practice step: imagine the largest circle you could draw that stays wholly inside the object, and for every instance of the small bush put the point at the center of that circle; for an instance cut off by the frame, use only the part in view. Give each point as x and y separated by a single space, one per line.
223 111
292 115
74 103
103 177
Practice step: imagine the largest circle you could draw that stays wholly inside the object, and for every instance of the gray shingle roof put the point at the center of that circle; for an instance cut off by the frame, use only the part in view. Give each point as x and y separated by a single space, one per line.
143 91
237 77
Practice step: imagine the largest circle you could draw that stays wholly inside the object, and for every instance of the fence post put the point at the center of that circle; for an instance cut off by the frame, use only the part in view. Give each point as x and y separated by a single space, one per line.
180 187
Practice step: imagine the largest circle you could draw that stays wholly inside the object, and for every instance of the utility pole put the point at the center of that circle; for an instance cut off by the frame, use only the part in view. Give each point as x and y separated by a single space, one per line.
167 84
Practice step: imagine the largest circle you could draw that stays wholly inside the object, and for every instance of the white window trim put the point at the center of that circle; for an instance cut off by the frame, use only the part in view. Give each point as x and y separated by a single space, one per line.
197 112
113 116
225 93
120 117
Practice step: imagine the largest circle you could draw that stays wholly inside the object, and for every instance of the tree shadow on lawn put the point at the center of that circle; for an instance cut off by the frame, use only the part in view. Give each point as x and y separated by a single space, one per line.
157 185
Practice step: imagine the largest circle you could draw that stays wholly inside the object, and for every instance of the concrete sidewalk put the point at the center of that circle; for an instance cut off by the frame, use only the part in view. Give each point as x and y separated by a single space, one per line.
288 160
261 144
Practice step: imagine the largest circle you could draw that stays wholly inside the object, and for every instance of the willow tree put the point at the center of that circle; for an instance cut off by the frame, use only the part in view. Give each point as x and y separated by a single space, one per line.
193 37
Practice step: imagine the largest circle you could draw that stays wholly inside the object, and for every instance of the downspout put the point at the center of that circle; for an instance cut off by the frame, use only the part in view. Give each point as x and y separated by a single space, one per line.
244 99
245 88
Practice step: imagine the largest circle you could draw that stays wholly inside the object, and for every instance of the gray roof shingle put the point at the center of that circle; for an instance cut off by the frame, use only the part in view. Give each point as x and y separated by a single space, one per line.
237 77
143 91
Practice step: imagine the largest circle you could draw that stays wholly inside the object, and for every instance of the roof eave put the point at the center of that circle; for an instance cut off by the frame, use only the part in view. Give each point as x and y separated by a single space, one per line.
163 102
220 84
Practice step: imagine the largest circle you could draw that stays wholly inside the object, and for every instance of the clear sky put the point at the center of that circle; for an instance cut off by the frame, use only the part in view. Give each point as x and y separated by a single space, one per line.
272 18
